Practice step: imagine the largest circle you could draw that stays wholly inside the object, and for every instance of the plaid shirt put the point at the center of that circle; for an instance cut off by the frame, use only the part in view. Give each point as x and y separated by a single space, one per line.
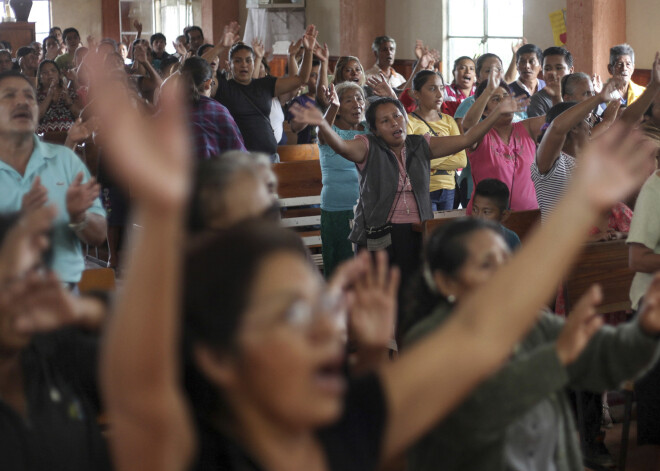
214 130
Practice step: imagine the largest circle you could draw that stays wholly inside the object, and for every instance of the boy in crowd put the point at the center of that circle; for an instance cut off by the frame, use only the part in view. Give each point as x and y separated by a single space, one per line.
491 201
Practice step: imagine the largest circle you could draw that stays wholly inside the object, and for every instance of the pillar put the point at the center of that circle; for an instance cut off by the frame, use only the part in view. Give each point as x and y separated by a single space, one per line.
593 26
215 15
360 22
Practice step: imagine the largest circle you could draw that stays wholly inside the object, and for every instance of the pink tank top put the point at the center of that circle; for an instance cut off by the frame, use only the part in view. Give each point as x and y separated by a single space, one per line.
508 162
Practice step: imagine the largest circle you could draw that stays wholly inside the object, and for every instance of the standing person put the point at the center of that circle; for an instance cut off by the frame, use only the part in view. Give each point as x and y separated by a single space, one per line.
463 86
340 190
428 92
250 100
557 62
72 42
306 134
33 173
57 32
51 48
384 49
158 42
194 38
507 151
347 69
622 64
528 63
58 106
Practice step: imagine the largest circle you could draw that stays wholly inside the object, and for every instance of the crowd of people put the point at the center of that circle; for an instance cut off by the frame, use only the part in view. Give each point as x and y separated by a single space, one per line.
226 348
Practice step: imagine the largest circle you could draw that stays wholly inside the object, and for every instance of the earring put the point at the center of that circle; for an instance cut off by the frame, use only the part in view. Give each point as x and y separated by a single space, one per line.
451 298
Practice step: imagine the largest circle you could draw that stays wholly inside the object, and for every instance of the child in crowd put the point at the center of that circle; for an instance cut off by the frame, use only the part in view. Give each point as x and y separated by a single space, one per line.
491 202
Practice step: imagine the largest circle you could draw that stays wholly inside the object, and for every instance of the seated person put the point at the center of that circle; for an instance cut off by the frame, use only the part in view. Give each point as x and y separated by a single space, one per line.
491 202
28 61
384 49
622 65
557 62
71 39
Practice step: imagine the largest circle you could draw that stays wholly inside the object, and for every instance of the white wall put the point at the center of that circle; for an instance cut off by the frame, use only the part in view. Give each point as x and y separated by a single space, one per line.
536 22
642 31
325 15
84 15
409 20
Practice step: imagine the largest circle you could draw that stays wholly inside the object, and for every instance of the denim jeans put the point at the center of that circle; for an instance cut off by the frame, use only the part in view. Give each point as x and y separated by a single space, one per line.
442 200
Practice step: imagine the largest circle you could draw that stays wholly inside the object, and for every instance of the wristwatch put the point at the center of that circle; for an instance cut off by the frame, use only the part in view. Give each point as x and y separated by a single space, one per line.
79 226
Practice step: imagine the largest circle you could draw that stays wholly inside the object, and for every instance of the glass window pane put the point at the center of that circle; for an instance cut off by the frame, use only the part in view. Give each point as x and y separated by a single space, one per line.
40 14
173 19
465 17
458 47
505 18
501 47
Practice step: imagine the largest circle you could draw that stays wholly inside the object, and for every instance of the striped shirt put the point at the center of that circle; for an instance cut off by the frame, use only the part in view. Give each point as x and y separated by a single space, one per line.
551 186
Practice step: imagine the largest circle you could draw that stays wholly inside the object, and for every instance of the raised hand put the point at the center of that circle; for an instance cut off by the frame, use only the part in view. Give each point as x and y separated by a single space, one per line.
380 86
613 165
92 43
258 47
649 317
138 27
427 61
494 79
80 197
323 53
419 48
295 46
512 104
308 114
582 323
230 34
179 48
372 303
24 243
331 95
597 83
517 45
309 39
36 197
140 53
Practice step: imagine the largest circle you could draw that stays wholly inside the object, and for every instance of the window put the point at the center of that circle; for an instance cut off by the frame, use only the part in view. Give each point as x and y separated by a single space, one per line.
135 10
171 17
475 27
40 14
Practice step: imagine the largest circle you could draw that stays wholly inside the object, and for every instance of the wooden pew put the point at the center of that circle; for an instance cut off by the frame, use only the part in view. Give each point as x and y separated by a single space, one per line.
298 152
605 263
520 222
299 187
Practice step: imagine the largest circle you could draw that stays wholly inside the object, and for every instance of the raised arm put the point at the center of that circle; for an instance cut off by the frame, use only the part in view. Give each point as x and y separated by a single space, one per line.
490 321
555 136
353 150
448 145
333 107
289 84
633 114
229 37
476 111
322 82
259 52
152 429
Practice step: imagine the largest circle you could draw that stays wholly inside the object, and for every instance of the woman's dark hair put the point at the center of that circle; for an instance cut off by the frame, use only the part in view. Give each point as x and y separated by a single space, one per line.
202 49
219 274
43 45
483 58
444 251
371 111
458 61
41 66
239 46
552 113
482 86
195 71
423 76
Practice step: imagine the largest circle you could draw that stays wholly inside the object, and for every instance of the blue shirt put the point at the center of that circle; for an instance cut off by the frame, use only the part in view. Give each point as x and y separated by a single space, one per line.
57 166
340 190
510 237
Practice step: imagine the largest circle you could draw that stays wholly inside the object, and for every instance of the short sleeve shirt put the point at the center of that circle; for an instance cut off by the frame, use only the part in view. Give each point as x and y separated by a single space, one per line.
57 166
551 186
250 105
645 230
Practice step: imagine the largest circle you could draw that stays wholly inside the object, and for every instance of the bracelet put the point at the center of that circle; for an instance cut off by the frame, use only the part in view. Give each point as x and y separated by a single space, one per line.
79 226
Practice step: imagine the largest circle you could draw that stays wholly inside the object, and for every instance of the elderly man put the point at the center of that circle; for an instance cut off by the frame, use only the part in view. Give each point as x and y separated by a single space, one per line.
34 173
384 49
622 64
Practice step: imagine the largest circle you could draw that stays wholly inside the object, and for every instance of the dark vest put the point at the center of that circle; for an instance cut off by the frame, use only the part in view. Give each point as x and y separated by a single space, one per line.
379 180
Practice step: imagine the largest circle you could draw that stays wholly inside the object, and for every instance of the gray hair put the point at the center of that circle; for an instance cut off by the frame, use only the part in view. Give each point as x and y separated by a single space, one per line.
379 42
621 50
347 86
568 82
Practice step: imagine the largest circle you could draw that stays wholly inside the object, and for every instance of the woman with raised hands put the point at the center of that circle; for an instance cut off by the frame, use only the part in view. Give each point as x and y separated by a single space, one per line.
272 359
347 69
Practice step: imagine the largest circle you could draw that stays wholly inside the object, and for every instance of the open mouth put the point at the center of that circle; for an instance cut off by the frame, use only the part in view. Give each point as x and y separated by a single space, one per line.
22 115
330 376
398 133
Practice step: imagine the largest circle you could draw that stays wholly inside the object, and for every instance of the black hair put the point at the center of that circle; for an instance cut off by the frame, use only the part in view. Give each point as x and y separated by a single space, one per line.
219 275
445 251
462 58
482 86
371 111
316 62
421 77
46 40
55 28
202 49
196 71
240 46
24 51
17 73
527 49
483 58
6 45
67 31
7 223
193 28
552 113
41 65
559 51
494 189
157 36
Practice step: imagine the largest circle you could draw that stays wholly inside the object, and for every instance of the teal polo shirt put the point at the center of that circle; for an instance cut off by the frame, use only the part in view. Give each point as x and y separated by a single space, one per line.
57 166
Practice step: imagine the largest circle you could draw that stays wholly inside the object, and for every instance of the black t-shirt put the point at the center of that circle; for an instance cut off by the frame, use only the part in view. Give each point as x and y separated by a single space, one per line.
61 432
351 444
251 114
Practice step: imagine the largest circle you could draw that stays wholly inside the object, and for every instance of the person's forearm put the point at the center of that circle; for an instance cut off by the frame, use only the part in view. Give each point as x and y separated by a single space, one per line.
306 67
511 72
476 111
633 113
331 114
257 66
570 118
293 65
477 326
322 84
154 77
95 230
216 51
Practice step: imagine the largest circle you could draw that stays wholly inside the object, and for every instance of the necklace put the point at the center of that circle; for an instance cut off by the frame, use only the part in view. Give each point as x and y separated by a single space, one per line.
405 185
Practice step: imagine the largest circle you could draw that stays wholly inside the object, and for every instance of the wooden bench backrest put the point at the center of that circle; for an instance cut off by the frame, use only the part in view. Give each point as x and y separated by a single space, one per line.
605 263
520 222
97 279
294 153
298 179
